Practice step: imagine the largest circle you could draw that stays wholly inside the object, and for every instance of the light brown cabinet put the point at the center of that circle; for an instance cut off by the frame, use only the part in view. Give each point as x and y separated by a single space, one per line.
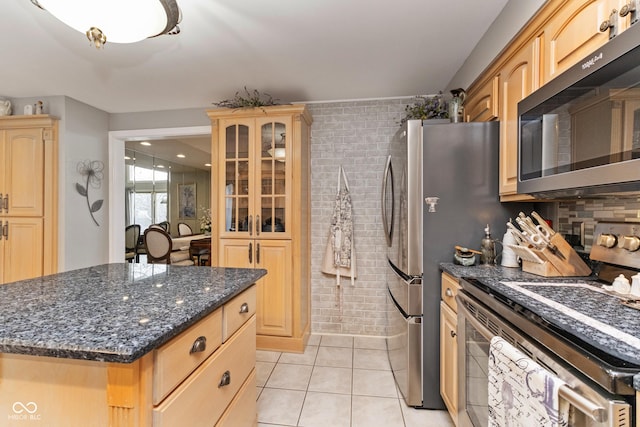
449 345
483 104
28 196
574 32
200 377
261 203
557 37
518 78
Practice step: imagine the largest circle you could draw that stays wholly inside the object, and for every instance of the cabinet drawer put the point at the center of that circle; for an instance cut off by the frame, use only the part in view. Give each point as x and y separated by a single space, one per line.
174 361
449 291
201 398
243 410
237 311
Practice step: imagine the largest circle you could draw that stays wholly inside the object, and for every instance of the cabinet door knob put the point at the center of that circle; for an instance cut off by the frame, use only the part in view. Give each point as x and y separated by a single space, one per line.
225 379
244 308
453 334
448 292
199 345
610 24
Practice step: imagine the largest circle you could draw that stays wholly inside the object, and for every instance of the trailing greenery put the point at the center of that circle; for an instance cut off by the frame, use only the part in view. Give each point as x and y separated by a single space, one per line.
250 100
427 107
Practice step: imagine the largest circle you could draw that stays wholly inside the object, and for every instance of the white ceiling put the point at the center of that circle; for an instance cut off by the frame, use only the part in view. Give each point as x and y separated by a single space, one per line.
295 50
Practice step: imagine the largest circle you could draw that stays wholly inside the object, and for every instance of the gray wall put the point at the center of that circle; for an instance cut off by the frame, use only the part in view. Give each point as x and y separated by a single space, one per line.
513 17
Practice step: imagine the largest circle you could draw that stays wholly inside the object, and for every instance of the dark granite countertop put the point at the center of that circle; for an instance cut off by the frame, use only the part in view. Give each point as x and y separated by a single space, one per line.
112 312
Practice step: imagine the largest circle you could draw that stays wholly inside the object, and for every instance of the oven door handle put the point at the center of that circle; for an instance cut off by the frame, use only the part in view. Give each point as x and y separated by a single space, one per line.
581 403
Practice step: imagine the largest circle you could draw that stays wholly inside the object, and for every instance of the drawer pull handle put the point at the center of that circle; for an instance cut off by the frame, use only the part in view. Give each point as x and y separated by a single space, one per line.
225 380
199 345
244 308
448 292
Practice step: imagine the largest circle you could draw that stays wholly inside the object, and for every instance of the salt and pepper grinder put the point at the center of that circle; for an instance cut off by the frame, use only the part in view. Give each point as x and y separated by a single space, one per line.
487 248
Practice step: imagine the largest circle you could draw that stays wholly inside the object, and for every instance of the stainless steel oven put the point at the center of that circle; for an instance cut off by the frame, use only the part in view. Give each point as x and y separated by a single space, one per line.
591 405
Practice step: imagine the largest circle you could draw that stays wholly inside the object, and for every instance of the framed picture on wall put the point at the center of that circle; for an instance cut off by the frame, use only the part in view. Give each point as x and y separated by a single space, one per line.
187 201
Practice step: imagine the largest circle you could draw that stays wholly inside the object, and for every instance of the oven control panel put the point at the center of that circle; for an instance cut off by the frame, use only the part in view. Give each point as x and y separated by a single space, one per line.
617 243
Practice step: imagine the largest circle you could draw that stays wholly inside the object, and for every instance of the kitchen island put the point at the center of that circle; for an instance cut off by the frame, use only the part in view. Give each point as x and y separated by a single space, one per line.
129 345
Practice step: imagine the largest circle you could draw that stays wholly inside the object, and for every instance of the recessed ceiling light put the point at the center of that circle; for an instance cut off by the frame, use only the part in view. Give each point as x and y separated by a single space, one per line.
127 158
182 156
145 143
160 166
208 165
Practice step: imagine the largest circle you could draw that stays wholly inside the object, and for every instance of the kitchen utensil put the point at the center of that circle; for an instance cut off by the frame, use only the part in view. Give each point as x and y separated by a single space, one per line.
463 249
464 256
509 257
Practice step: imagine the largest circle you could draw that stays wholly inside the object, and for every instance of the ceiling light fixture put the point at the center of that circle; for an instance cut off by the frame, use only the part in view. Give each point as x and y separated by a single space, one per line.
145 143
180 156
123 21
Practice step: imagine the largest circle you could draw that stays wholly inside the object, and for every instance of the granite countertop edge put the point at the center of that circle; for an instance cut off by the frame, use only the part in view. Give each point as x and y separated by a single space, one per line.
98 313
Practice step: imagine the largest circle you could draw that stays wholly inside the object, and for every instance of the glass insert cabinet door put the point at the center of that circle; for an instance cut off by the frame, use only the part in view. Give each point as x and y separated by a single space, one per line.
256 170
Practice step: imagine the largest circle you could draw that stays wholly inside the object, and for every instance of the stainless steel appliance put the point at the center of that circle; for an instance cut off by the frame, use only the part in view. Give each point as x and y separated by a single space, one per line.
579 134
598 371
456 167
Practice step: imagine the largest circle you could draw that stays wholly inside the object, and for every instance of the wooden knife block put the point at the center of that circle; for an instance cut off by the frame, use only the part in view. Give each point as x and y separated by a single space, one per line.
570 264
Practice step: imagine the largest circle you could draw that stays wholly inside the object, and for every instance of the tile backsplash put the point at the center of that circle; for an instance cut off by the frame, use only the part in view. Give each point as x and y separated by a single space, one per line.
591 211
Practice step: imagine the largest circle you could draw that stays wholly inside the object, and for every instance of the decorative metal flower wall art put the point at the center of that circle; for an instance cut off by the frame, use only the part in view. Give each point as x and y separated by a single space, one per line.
92 170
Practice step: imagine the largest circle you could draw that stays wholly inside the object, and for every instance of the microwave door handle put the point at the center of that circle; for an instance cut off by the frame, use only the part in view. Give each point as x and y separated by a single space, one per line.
388 227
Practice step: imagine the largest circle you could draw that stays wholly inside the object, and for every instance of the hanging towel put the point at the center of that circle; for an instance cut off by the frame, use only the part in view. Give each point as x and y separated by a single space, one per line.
340 257
521 392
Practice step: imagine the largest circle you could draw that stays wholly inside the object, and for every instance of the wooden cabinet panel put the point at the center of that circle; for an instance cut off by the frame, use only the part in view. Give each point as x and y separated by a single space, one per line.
23 170
449 360
450 287
575 32
274 291
517 80
175 360
237 311
243 410
261 197
483 105
22 251
206 394
28 196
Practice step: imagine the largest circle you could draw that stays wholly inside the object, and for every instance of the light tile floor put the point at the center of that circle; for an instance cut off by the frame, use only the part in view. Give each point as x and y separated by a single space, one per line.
339 381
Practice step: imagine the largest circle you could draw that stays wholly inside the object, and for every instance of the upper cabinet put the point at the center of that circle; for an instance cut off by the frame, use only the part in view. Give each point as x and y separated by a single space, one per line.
575 31
261 205
518 78
483 104
557 37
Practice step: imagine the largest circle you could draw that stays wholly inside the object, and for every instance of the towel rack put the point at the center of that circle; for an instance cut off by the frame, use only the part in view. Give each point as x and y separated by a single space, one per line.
581 403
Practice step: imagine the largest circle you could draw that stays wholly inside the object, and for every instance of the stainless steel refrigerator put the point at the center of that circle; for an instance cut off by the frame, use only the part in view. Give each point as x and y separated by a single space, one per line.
457 164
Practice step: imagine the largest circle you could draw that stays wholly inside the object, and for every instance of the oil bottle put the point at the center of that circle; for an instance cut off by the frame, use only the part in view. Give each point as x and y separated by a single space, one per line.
487 248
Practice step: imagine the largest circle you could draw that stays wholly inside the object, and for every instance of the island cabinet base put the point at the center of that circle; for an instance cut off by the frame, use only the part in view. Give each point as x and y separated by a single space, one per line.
209 385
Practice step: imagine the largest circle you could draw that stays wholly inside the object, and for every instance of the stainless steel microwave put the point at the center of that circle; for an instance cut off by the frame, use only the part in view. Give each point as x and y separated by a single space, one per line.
579 134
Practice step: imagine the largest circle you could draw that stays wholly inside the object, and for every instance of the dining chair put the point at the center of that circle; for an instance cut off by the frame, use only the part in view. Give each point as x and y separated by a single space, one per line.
166 226
159 249
184 229
131 237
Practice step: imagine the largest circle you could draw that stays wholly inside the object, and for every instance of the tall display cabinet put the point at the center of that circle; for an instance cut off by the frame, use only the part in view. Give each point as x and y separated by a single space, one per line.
28 196
261 205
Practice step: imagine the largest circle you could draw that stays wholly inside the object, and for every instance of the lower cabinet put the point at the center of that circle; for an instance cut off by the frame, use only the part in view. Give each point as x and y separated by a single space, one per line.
449 346
274 314
203 377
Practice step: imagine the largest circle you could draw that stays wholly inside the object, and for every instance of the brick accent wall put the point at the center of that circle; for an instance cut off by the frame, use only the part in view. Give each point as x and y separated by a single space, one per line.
355 134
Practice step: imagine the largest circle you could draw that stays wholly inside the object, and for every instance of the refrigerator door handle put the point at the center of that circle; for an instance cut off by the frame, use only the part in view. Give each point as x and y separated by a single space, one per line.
386 181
